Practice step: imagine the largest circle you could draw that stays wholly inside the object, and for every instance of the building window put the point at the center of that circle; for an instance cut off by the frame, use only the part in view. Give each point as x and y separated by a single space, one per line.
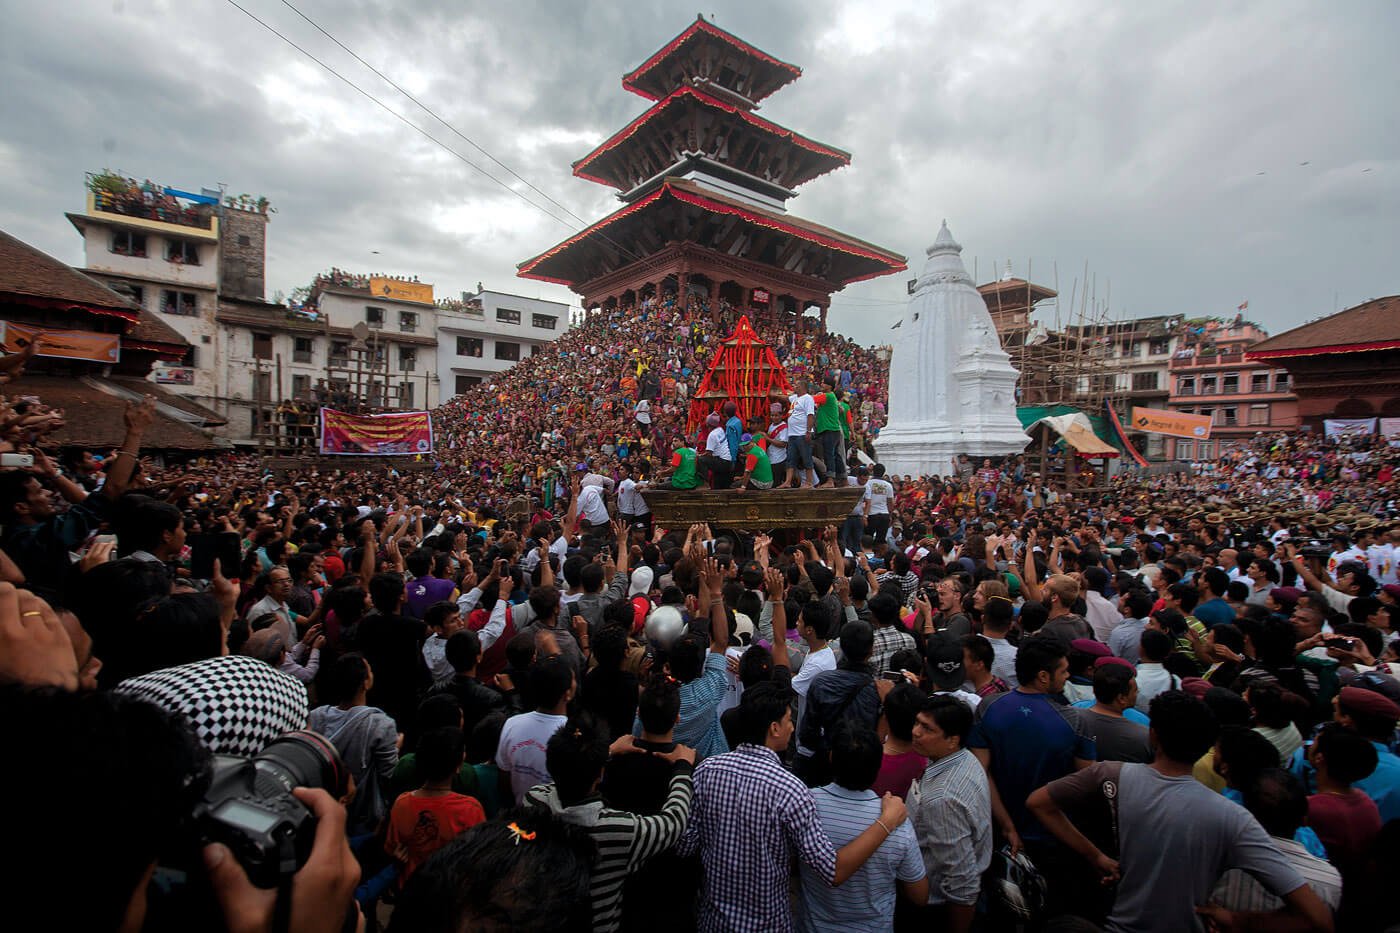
374 317
1208 413
408 359
182 252
138 294
1259 382
1185 450
301 387
340 353
534 349
1186 385
1280 381
469 346
1227 417
405 395
505 350
262 387
1231 384
182 303
408 321
1207 385
1158 346
1259 414
464 383
507 316
126 243
544 321
301 349
1143 382
244 240
262 346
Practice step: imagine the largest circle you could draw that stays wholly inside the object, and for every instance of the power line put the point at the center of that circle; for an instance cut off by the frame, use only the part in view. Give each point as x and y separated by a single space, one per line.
429 111
398 116
424 133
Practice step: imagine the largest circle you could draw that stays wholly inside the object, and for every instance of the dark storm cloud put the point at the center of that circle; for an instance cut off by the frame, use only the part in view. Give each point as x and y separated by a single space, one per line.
1127 136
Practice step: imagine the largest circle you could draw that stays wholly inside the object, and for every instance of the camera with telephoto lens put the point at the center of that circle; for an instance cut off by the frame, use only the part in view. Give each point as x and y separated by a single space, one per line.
1316 550
249 805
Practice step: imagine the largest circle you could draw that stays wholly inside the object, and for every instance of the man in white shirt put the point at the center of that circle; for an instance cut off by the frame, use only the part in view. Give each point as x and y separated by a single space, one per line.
778 444
718 461
643 413
279 587
801 423
813 625
521 752
631 507
592 510
876 503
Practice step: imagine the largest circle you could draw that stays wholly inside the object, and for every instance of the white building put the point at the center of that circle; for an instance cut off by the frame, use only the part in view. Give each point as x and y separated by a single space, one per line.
489 332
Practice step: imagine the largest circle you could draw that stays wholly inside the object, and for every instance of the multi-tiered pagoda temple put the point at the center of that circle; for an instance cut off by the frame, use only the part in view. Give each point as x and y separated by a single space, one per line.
705 182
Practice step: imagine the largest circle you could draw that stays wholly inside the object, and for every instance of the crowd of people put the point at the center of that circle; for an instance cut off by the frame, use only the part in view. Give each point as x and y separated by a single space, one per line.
981 702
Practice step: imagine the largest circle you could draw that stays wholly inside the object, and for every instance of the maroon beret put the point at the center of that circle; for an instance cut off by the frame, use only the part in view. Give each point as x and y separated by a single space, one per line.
1091 646
1368 703
1100 662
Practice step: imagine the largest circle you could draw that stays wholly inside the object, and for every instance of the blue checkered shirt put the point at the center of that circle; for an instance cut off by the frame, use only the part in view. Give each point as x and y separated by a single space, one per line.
747 817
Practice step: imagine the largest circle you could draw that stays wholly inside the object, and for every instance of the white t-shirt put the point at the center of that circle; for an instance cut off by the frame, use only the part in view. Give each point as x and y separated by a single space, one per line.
802 406
1336 559
644 412
591 506
521 752
717 443
824 659
778 432
629 499
878 493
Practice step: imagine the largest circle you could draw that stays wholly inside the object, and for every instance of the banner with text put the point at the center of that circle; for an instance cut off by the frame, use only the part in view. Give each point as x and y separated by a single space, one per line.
67 344
400 433
1334 427
1173 423
399 290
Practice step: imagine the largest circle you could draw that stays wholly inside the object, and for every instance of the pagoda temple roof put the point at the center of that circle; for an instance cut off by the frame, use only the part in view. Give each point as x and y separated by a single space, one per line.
1372 325
606 163
681 210
656 77
1014 292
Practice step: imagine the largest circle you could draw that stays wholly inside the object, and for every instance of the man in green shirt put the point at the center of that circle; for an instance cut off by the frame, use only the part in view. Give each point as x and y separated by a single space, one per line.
683 472
758 470
828 431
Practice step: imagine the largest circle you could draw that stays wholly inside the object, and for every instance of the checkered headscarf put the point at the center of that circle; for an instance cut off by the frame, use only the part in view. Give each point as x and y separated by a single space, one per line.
236 704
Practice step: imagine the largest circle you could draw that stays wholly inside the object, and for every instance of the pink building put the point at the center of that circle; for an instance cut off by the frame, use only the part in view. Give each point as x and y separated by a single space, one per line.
1210 375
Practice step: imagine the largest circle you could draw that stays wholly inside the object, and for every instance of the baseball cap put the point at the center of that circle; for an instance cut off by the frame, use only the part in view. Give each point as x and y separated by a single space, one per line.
945 667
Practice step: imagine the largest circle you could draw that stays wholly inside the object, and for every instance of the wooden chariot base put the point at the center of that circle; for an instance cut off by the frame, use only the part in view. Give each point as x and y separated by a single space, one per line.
752 509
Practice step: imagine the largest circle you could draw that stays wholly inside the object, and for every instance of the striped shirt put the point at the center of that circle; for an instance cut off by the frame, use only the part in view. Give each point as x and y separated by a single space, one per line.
749 816
624 840
698 726
1237 889
865 901
951 811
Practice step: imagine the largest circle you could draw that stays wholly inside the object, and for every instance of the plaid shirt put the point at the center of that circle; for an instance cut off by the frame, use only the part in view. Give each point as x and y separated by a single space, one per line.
888 640
747 816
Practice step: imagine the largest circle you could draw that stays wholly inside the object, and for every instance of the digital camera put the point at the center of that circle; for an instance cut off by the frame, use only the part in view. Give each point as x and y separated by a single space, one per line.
249 805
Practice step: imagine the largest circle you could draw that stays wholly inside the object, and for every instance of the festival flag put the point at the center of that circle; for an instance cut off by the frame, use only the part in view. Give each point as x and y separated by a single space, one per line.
1243 306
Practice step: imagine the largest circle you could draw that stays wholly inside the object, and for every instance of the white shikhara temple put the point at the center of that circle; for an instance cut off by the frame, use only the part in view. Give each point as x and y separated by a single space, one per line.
952 387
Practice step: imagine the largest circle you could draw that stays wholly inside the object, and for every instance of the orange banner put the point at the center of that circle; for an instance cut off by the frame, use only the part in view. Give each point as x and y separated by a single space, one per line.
1173 423
68 344
399 290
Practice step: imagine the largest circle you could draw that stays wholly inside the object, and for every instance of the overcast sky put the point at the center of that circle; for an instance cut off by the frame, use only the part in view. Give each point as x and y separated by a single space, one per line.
1193 155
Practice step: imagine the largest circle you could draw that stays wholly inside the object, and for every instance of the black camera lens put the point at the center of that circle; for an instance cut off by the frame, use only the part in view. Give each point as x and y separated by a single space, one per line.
300 759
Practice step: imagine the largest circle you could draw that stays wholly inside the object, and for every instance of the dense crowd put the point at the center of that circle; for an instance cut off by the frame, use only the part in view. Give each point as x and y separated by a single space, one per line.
982 702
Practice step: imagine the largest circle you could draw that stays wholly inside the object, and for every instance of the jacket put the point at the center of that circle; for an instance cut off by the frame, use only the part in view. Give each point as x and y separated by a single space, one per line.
832 697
